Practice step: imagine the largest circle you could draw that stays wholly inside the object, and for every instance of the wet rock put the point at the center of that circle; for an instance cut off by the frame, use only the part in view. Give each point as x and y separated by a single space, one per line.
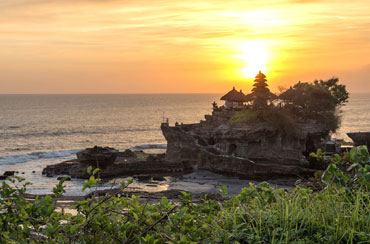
72 168
98 156
9 173
159 178
142 177
122 168
127 154
66 177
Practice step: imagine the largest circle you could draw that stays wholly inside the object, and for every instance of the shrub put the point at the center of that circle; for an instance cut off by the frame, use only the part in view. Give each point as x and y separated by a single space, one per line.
352 170
243 116
280 119
259 214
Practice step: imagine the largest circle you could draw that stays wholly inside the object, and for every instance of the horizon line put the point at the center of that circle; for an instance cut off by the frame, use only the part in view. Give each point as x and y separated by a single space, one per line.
159 93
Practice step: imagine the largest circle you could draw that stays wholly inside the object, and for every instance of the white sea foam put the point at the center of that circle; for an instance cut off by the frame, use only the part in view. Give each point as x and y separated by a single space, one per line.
150 146
23 158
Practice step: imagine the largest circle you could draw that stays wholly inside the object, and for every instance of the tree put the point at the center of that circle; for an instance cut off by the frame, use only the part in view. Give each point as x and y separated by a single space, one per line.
338 91
320 100
320 95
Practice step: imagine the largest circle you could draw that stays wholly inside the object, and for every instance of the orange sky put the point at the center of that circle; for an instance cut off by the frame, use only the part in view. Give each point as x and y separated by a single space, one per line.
170 46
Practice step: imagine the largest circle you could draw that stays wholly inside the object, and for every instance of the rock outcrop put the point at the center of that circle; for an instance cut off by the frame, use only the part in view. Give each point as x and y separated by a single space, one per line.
122 167
360 138
253 150
98 156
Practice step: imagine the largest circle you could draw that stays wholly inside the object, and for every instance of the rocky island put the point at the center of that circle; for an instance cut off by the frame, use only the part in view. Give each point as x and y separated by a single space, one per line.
259 135
256 136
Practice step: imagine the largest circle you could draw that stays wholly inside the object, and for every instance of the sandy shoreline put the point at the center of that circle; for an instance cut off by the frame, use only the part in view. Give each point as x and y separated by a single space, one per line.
197 183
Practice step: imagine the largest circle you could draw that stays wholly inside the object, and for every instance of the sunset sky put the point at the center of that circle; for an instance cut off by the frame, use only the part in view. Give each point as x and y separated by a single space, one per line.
170 46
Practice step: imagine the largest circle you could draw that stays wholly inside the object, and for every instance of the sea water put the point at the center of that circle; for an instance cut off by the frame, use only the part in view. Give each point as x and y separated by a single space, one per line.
38 130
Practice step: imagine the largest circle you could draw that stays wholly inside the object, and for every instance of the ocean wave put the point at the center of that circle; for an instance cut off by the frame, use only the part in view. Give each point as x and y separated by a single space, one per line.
23 158
150 146
68 132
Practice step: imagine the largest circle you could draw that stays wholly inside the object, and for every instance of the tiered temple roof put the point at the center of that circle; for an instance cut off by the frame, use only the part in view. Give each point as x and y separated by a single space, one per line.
260 89
260 93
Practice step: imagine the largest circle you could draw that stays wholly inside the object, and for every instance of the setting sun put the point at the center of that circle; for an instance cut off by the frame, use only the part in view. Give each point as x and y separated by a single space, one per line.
254 56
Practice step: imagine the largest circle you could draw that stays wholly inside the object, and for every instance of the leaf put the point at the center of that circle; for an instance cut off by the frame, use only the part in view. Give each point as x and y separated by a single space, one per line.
74 228
135 216
89 170
352 167
337 158
96 171
367 176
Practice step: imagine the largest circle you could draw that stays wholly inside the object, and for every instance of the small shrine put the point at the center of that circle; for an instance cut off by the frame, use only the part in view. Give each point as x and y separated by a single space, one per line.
234 99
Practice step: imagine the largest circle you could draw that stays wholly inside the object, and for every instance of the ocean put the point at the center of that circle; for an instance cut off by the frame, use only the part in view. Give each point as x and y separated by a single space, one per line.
37 130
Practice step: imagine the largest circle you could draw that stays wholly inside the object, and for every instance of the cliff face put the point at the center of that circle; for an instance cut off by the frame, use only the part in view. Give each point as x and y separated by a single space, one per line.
250 150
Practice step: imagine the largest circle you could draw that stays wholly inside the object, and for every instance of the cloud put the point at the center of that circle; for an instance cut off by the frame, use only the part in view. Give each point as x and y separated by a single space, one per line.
326 36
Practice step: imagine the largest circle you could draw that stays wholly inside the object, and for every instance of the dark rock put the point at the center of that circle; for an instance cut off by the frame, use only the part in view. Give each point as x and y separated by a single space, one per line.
127 154
99 157
22 173
155 157
121 168
66 177
252 150
142 177
161 155
360 138
3 177
72 168
9 173
158 178
33 172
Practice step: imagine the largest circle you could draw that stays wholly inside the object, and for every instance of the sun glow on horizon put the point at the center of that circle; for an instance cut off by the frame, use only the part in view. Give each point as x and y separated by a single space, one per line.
129 47
254 57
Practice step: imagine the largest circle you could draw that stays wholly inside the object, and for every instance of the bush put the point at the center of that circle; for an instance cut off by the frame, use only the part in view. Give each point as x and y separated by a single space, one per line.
259 214
351 171
280 119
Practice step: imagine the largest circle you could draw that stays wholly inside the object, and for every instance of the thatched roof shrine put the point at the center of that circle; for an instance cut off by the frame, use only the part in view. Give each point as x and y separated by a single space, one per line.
234 96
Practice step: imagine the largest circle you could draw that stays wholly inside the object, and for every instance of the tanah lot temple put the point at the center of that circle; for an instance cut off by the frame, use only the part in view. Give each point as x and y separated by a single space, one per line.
260 97
253 148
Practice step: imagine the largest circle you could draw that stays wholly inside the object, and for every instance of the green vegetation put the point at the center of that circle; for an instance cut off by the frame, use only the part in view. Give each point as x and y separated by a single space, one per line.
243 116
339 213
320 101
350 171
141 154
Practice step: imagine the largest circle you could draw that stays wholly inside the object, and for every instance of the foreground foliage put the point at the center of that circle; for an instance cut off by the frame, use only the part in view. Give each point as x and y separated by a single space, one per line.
259 214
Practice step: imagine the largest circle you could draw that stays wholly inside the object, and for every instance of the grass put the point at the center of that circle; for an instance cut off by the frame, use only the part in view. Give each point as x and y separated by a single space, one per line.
339 213
243 116
300 216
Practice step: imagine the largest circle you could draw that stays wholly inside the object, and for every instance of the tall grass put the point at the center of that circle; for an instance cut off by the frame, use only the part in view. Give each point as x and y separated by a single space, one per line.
339 213
300 216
